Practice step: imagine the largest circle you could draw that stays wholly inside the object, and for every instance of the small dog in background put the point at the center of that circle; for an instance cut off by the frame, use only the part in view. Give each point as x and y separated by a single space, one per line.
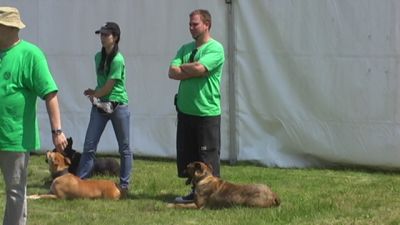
212 192
102 165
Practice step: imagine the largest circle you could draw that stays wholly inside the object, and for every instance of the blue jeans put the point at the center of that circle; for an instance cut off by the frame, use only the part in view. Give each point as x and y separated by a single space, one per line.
120 120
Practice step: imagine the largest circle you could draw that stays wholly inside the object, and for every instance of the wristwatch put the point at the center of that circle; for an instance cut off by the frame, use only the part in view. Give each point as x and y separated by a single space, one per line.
56 131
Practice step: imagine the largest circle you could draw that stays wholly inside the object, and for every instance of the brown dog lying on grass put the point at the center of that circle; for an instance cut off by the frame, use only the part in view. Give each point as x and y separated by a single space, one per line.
102 165
212 192
68 186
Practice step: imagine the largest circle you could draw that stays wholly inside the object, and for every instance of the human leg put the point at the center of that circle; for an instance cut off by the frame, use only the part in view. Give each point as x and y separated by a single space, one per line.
14 167
121 123
95 128
186 151
209 141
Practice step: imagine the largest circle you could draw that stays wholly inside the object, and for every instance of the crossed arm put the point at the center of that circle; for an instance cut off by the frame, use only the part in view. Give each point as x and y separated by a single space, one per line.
187 71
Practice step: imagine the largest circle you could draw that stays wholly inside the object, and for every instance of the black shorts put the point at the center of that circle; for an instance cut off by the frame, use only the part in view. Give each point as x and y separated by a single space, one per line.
198 139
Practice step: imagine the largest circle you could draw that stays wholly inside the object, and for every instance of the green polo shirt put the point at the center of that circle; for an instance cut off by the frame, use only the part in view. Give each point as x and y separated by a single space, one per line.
117 73
24 76
201 96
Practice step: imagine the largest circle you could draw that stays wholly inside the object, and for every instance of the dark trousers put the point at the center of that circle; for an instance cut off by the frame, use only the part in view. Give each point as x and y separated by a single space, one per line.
198 139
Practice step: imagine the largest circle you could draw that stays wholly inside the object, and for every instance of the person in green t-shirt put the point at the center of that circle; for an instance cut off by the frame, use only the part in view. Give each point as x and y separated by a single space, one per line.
24 76
110 102
198 66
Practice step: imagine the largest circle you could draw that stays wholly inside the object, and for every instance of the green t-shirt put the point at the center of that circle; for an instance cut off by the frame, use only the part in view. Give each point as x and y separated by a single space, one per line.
24 76
117 73
201 96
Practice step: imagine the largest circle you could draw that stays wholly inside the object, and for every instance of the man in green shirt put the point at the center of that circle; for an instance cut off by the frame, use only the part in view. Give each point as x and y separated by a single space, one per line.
24 76
198 66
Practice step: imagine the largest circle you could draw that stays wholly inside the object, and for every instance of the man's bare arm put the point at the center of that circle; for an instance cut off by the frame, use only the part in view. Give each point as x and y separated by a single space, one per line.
186 71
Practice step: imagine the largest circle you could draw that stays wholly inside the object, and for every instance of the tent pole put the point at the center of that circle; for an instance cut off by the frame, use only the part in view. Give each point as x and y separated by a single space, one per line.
233 147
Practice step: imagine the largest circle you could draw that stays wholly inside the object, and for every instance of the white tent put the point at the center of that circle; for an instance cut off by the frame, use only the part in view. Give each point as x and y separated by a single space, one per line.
306 82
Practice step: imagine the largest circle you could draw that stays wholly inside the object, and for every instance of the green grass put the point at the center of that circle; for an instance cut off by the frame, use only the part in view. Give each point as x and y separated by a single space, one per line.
309 196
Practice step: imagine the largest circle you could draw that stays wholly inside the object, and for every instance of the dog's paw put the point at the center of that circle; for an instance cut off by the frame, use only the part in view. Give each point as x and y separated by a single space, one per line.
33 197
170 205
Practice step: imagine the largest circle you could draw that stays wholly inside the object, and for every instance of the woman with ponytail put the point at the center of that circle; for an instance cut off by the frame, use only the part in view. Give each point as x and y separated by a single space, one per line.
109 102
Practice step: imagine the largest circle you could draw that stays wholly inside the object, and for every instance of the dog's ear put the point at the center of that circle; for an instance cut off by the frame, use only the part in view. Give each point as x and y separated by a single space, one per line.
189 172
204 168
198 169
67 161
47 155
197 166
70 141
209 166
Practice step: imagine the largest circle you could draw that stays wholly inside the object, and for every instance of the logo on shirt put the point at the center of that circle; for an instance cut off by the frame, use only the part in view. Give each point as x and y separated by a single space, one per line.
7 75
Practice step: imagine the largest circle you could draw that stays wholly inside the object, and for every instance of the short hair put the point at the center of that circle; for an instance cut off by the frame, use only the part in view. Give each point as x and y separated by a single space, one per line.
204 15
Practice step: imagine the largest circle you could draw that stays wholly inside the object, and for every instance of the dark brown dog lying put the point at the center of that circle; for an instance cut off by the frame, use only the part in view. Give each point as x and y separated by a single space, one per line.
212 192
68 186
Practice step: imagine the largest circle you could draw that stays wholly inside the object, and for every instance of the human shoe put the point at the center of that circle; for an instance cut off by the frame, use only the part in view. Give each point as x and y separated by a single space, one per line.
185 199
124 192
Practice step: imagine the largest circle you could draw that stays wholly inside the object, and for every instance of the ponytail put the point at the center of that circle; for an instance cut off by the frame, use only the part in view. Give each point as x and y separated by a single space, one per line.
105 62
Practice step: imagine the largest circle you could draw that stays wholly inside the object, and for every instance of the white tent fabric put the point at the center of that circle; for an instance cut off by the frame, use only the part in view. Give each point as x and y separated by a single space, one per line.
306 83
318 81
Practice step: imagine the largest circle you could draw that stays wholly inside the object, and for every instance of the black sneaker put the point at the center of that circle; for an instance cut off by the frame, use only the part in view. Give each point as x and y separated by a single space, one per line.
185 199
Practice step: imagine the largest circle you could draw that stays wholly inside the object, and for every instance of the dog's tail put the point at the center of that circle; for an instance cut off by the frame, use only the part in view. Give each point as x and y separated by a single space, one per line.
182 205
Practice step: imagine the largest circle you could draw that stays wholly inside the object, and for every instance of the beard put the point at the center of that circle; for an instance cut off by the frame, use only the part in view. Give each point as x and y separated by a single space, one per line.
197 36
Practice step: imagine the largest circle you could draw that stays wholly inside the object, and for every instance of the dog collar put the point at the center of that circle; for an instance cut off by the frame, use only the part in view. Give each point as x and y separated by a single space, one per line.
60 173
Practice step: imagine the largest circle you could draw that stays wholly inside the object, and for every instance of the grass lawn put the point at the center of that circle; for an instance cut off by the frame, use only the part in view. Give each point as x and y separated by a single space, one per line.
309 196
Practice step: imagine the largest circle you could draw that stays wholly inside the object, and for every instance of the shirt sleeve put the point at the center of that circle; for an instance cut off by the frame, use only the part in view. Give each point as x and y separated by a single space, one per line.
177 60
42 80
212 57
117 69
